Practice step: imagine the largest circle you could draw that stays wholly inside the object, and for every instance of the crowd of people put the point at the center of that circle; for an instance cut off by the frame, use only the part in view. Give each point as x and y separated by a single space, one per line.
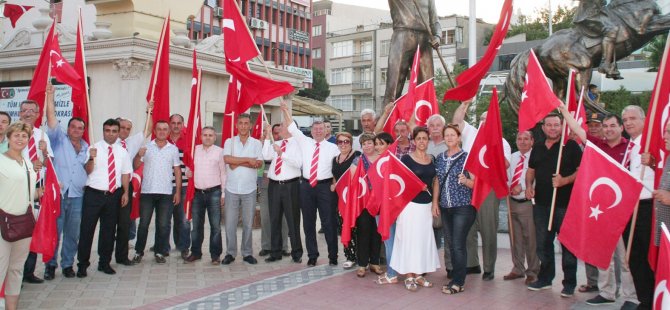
95 185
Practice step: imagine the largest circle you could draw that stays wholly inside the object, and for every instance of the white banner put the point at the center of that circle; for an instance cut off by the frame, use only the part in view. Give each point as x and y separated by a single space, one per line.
11 98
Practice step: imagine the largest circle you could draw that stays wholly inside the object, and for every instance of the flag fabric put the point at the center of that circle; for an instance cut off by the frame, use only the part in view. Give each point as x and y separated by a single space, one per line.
257 131
356 197
399 186
486 159
80 94
159 85
15 11
343 187
422 106
45 235
537 99
61 68
468 81
661 291
230 114
38 84
394 117
654 127
193 134
575 108
598 210
238 45
413 78
137 189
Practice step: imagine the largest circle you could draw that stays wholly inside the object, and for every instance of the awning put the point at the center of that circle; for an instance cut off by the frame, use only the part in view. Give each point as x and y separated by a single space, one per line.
310 107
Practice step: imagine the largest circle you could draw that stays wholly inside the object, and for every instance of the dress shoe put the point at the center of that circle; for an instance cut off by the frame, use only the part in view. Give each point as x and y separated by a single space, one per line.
160 259
473 270
250 259
81 273
228 259
530 279
68 272
216 261
487 276
137 259
449 275
512 276
184 254
31 278
273 259
311 262
263 253
126 262
297 260
192 258
49 272
332 262
106 269
285 253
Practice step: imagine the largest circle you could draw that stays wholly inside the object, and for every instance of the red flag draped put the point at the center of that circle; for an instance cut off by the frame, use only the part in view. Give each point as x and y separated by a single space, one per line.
15 11
661 291
38 84
45 235
159 85
193 133
598 210
80 94
238 45
343 187
61 69
486 159
410 98
137 189
468 81
537 99
399 186
230 114
424 107
257 131
355 198
576 108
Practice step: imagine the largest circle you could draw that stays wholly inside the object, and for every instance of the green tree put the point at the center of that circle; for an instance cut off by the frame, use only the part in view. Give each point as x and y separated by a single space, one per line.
442 84
537 27
320 89
616 100
654 50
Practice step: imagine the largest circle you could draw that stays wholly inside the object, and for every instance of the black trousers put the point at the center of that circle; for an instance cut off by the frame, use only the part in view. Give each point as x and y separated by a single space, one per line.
643 276
284 201
103 207
369 240
123 228
311 200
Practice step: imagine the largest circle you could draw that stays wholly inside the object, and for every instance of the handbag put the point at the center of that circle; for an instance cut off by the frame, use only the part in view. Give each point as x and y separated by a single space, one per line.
18 227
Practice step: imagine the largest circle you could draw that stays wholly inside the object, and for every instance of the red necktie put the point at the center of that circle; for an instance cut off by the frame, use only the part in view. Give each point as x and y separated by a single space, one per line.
279 160
123 143
626 157
517 171
32 149
111 169
314 167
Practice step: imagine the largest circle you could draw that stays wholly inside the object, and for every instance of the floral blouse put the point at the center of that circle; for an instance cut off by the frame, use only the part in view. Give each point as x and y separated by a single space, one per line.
452 194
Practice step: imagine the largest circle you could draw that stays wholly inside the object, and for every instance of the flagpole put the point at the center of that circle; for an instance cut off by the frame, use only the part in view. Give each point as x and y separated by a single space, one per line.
88 98
157 66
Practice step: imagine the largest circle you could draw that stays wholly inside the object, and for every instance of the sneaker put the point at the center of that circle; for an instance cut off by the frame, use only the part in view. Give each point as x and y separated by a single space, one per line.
567 292
348 264
538 286
137 259
160 259
599 300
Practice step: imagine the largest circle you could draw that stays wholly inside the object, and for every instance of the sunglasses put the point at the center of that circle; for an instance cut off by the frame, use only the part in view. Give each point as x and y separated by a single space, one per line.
340 142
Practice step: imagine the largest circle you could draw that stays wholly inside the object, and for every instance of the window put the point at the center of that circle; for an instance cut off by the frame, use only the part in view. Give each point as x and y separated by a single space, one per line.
382 79
366 50
343 49
340 76
385 47
316 30
451 36
344 103
366 103
316 53
259 8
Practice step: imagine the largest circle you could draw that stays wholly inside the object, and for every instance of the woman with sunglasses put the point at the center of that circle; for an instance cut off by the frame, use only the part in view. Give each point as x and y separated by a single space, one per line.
341 163
454 205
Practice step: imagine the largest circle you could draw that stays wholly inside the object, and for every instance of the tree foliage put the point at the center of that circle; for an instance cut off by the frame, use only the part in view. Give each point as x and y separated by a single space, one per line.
537 27
654 50
320 89
616 100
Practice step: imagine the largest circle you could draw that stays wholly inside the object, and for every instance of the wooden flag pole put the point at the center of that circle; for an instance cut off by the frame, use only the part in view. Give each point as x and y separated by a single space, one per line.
88 97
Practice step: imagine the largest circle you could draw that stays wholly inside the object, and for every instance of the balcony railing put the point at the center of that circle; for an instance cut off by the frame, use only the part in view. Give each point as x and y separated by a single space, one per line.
362 57
361 85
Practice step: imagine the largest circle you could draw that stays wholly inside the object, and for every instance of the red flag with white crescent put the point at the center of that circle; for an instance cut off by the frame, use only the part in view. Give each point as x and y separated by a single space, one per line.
159 85
45 235
662 292
193 134
80 95
137 189
537 99
15 11
238 45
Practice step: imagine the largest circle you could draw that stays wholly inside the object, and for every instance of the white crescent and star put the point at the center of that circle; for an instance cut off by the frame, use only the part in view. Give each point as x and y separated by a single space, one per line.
361 181
228 23
194 81
400 181
418 105
661 290
381 162
595 212
344 194
482 152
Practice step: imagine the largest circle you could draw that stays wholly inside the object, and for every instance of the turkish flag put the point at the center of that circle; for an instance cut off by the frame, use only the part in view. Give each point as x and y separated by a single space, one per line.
355 199
137 189
80 95
486 159
61 69
537 99
238 45
230 113
257 131
423 106
413 78
45 235
394 117
662 293
468 81
193 133
159 85
399 186
343 188
598 210
654 127
38 84
15 11
576 108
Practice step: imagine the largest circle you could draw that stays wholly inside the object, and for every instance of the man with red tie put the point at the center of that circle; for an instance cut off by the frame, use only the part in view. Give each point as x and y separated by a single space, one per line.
106 191
317 176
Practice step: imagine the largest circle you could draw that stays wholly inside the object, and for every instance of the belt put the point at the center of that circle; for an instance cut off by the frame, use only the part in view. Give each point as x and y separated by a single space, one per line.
208 190
319 181
284 181
106 193
649 200
519 200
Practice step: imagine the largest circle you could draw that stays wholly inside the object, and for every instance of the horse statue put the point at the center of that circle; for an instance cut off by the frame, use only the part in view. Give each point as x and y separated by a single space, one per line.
601 36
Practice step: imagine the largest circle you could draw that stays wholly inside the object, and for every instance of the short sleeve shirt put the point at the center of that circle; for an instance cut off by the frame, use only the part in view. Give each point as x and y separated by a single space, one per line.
543 160
158 168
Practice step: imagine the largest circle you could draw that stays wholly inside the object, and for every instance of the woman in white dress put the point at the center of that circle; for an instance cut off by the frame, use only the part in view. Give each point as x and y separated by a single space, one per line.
414 250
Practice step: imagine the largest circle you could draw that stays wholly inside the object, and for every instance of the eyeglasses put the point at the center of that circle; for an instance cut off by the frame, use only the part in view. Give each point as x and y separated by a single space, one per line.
28 111
341 142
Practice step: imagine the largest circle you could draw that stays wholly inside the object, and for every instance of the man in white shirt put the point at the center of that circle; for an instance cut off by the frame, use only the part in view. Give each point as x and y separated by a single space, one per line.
242 155
368 123
521 210
106 191
317 176
284 181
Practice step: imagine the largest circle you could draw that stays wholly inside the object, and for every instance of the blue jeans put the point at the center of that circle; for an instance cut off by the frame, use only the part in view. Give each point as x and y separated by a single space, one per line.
457 222
210 202
388 246
163 205
545 248
181 231
68 225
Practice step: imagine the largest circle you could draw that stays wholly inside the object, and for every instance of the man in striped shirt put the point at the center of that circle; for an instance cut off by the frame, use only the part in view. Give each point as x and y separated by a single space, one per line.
181 228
